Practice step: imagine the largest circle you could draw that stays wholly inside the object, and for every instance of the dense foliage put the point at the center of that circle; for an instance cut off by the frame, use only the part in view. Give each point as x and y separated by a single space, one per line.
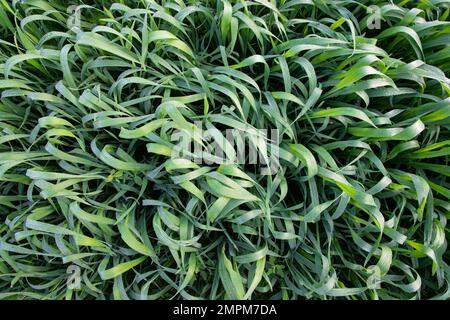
91 96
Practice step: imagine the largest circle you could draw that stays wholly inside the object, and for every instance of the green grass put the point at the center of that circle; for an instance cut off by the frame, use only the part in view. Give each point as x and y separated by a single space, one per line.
86 175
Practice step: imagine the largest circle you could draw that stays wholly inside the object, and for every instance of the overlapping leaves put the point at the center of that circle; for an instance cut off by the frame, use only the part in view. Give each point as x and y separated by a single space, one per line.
90 96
